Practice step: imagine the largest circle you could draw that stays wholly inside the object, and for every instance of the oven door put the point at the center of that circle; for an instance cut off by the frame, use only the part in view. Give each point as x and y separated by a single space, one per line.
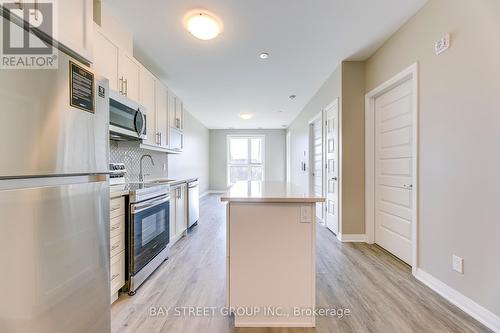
149 232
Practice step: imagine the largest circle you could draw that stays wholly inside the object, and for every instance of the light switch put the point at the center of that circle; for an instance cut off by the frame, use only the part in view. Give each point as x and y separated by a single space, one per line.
305 214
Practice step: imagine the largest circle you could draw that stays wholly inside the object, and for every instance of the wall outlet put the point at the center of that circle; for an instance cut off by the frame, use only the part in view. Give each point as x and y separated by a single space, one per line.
443 44
305 214
458 264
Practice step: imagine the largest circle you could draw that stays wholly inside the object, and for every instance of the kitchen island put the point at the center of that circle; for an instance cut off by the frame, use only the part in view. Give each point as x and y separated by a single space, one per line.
271 254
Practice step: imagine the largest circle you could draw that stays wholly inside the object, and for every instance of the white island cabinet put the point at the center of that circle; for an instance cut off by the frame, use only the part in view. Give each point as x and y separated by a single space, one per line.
271 254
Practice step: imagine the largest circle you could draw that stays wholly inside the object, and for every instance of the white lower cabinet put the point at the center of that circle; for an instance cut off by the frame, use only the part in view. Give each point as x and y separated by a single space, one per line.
117 246
178 212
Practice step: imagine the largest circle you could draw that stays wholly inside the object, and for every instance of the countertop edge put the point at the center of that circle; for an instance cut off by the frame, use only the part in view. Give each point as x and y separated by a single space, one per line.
273 200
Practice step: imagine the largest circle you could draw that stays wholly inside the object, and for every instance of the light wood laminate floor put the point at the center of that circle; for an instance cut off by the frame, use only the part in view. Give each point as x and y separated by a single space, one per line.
378 289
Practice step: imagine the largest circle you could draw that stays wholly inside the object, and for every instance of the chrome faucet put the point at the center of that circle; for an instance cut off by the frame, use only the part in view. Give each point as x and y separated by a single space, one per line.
141 175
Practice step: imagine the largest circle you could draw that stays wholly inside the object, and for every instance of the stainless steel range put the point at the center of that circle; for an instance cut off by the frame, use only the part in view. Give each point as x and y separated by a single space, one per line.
148 229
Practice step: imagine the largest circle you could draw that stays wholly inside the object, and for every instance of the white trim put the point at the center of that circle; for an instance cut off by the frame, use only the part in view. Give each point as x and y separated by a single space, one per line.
352 238
410 73
476 311
215 192
288 144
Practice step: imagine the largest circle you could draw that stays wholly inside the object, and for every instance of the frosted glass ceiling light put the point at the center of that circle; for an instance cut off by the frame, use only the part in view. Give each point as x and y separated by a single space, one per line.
203 24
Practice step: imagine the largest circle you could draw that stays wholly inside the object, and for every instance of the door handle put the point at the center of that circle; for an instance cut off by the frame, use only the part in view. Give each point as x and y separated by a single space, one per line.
334 178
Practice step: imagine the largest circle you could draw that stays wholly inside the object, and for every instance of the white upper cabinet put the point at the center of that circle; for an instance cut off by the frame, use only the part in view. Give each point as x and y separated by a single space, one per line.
178 113
129 76
75 26
148 100
161 114
171 108
71 24
106 58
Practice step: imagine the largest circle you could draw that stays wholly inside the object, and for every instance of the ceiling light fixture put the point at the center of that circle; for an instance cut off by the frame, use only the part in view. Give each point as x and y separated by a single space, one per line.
292 96
246 116
203 24
264 55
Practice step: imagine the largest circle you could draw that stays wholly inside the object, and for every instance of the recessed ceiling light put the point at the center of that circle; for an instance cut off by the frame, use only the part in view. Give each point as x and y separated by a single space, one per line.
203 24
246 116
264 55
280 111
284 126
292 96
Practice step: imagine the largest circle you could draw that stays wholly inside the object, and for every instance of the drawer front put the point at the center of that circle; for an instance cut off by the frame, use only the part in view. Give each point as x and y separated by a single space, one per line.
117 207
117 226
117 272
116 245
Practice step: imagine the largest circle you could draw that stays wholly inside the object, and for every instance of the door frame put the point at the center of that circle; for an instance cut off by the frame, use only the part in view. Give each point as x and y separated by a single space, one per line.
288 153
320 116
409 74
336 101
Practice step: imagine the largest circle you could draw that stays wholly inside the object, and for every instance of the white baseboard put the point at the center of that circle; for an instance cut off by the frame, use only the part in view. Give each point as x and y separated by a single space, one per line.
352 238
476 311
215 192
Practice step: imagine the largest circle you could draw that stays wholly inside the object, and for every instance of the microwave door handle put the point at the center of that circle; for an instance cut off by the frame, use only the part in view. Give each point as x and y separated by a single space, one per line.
142 207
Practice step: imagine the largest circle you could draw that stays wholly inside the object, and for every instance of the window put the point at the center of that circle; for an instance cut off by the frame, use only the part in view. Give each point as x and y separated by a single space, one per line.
245 160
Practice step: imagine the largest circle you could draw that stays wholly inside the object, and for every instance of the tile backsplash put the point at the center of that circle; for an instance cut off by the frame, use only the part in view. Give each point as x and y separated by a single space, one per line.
130 154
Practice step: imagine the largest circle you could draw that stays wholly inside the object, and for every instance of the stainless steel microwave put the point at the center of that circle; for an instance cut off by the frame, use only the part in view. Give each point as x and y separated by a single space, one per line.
127 119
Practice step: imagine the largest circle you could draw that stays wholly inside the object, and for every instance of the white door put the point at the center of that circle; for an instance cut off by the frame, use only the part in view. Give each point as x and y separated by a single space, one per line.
317 163
332 167
393 170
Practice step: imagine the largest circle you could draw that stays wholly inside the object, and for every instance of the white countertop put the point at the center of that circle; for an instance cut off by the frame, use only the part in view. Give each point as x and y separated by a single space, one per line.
118 191
256 191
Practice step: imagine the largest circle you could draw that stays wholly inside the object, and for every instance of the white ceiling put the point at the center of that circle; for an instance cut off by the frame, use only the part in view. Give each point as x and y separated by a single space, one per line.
221 78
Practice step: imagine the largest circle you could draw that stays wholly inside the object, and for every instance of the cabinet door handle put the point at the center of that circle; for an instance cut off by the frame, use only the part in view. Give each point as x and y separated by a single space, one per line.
113 228
121 85
115 208
160 138
126 86
114 276
36 10
114 247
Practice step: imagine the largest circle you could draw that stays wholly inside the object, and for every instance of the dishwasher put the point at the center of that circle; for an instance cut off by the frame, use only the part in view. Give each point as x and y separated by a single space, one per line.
193 202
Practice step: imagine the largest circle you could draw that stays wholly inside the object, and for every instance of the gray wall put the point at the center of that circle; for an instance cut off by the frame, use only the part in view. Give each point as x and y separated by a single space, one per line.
459 103
275 163
353 147
194 160
347 84
299 129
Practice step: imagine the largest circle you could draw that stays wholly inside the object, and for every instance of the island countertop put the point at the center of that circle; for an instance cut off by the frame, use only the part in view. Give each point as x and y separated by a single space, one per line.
268 191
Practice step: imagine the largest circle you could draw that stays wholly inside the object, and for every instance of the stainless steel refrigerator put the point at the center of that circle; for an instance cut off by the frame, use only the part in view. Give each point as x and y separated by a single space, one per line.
54 200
